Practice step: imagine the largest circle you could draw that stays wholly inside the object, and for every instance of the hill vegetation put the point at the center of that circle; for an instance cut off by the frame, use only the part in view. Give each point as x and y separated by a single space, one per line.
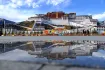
27 23
31 23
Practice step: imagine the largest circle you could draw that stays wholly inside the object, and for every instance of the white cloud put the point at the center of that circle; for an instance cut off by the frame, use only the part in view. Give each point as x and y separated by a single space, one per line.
29 2
99 16
14 14
1 7
13 1
57 2
19 3
10 9
35 5
13 5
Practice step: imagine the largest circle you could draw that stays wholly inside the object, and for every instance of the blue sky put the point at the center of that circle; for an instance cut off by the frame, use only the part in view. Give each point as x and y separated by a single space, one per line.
19 10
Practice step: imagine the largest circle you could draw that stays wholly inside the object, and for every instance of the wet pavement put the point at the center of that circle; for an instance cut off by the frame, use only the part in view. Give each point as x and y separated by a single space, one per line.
47 55
43 38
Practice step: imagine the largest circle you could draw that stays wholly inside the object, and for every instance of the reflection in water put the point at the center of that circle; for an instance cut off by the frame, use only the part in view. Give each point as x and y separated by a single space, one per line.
74 53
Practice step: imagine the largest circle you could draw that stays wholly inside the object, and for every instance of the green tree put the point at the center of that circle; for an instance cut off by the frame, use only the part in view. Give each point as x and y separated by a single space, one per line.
98 23
27 23
67 27
95 31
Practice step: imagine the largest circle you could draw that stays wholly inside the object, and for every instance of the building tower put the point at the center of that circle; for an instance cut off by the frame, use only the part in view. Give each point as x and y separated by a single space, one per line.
56 14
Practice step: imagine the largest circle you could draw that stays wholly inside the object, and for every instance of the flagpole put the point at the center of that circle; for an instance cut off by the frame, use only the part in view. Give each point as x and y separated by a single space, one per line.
4 27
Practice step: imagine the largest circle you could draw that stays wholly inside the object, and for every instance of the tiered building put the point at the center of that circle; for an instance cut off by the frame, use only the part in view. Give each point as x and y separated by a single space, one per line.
55 15
81 20
60 19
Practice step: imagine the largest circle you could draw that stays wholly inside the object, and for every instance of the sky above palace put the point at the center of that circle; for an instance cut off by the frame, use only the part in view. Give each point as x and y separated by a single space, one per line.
19 10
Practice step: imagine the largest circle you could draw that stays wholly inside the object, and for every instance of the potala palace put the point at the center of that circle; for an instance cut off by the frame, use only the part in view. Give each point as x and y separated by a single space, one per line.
60 19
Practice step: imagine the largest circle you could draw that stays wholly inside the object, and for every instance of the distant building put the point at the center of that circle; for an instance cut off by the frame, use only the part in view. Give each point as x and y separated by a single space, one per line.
55 15
58 18
102 23
61 18
39 28
101 29
38 18
82 20
94 22
60 21
35 18
71 16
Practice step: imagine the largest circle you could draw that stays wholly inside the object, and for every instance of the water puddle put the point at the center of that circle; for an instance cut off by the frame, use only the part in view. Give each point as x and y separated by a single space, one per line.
72 53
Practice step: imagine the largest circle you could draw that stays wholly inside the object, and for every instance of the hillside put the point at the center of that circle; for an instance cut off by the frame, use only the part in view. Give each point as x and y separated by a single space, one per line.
27 23
31 23
6 21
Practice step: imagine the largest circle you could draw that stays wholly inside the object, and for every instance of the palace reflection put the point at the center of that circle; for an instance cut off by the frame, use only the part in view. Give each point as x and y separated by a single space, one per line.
61 50
55 49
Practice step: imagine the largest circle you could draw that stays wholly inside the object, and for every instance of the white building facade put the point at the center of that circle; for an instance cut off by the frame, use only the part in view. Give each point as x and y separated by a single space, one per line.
83 21
59 21
101 29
